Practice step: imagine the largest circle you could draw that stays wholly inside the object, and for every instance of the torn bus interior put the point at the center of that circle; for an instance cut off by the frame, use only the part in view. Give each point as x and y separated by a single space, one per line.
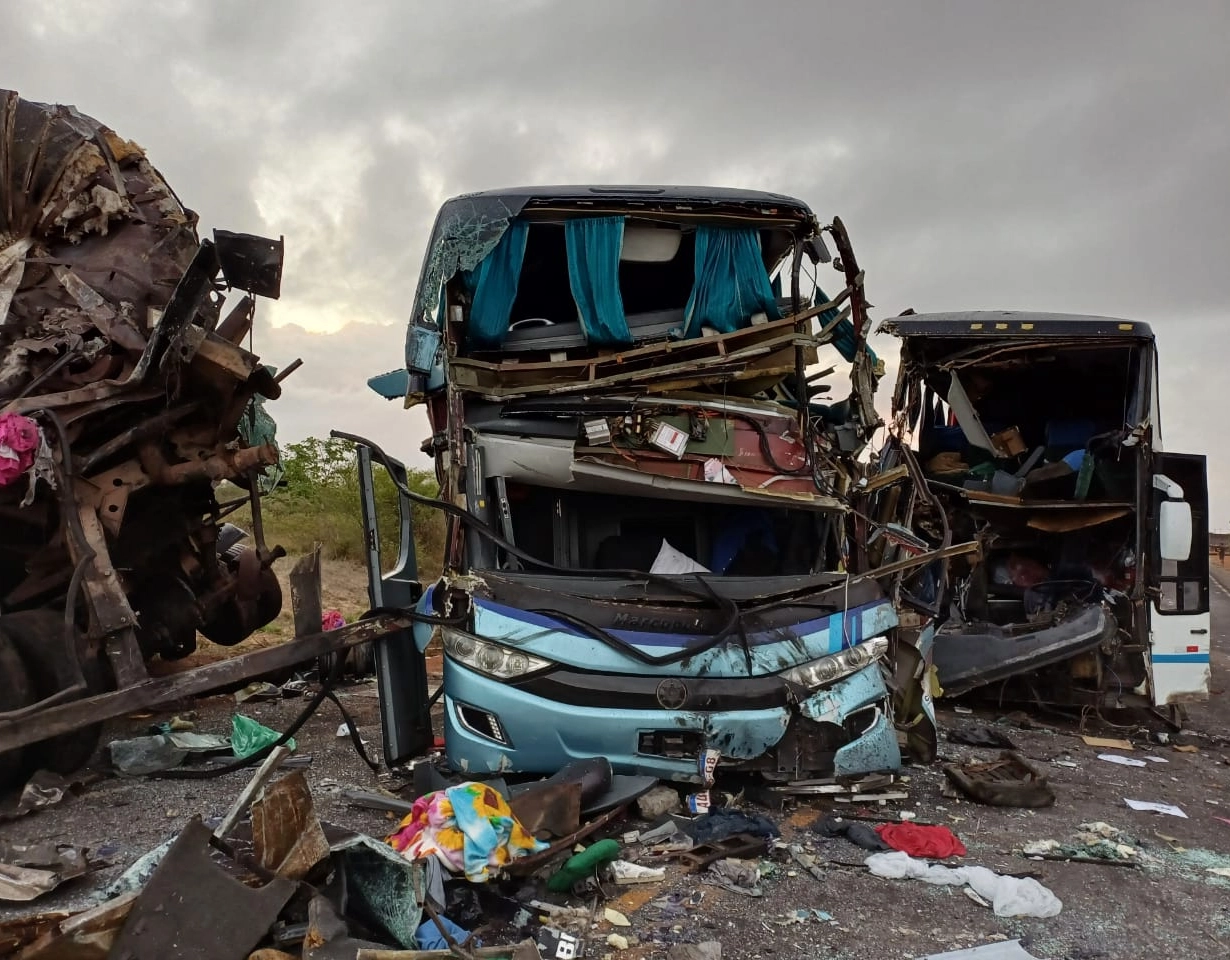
125 398
1040 434
655 486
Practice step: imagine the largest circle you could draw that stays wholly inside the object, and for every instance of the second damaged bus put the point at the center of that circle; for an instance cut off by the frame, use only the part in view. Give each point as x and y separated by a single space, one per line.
1041 434
650 493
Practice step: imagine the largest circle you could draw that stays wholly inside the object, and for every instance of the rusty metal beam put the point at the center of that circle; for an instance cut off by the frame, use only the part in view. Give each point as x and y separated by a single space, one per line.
149 693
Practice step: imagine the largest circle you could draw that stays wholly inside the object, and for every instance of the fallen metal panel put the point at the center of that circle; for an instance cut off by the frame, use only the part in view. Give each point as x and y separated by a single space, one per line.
178 913
975 655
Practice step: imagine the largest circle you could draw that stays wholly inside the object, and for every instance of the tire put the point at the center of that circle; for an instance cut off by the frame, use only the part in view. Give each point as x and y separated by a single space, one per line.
37 637
15 692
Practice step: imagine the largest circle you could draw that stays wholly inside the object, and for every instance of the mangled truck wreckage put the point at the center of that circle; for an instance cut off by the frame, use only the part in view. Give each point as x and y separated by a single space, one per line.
662 541
125 398
1041 434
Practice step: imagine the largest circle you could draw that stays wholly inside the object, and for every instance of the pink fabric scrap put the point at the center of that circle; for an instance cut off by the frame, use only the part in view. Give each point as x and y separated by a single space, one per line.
18 446
332 620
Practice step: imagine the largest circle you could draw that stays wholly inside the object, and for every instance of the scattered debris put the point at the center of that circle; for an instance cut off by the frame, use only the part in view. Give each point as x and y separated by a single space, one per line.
553 944
1002 950
806 861
1010 781
860 834
658 802
738 876
43 789
249 737
1097 842
1167 808
980 736
256 691
27 871
1108 744
740 845
1122 761
615 918
623 873
805 916
166 920
706 950
145 755
287 837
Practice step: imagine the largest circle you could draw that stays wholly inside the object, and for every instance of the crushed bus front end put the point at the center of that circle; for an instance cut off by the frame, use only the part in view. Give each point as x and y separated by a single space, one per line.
658 515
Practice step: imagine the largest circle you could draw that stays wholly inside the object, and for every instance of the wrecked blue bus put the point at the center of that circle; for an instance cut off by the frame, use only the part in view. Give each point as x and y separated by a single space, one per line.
664 539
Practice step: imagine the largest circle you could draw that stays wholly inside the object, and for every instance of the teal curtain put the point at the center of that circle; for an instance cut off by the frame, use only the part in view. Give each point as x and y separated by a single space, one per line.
494 285
843 334
593 271
731 281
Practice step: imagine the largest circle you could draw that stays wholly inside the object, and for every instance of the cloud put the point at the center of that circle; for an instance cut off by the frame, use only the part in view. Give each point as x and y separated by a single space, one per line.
1050 155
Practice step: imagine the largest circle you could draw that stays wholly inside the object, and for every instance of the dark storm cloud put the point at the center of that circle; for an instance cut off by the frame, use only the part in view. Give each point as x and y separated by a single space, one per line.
1048 155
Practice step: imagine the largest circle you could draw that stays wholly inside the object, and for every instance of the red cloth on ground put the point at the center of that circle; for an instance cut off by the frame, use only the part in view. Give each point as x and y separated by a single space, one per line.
920 841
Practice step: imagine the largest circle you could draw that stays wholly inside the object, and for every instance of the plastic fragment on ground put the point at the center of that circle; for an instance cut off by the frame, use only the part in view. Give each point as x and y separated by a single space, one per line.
1122 761
1149 806
248 736
623 872
141 756
615 918
1004 950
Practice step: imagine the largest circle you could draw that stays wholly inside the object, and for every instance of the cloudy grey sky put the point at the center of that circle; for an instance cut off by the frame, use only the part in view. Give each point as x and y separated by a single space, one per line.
1048 155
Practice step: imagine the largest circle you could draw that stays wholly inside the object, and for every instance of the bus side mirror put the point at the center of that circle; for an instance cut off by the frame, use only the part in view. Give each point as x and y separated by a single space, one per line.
1175 529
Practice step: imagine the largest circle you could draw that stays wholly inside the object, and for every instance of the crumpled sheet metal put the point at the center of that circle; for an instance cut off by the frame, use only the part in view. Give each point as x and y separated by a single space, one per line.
89 935
80 196
43 789
193 910
27 871
286 833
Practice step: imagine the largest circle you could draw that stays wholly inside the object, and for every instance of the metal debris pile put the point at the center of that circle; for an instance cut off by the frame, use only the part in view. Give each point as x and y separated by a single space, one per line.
125 398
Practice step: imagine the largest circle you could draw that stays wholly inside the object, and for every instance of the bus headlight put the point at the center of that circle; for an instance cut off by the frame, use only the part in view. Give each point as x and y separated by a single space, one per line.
492 659
826 670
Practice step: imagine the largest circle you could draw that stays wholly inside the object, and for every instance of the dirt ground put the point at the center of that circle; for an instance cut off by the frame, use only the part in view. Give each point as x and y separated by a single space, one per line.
1172 906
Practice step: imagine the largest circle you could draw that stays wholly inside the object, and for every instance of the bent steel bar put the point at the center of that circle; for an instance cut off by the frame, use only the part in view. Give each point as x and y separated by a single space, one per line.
64 718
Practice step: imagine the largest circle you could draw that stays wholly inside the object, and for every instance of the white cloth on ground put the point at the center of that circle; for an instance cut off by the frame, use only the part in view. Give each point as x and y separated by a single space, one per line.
1009 896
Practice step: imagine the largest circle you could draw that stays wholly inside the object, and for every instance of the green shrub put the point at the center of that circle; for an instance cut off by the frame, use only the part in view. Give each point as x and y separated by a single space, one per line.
318 501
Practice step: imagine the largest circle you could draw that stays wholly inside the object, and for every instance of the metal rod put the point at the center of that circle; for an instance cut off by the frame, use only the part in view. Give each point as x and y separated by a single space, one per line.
248 794
290 368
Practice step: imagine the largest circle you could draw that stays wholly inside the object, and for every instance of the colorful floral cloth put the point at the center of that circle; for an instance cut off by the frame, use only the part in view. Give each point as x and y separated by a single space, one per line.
468 828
